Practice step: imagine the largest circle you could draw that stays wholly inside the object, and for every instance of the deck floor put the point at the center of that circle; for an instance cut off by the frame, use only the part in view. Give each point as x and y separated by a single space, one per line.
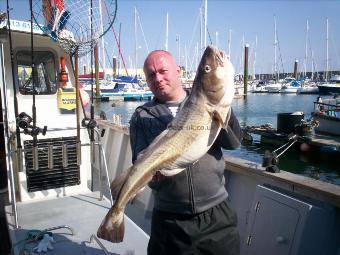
84 214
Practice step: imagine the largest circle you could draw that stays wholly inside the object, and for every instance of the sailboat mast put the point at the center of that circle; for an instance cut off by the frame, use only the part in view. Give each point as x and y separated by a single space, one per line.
254 63
306 48
102 38
178 40
197 56
312 76
229 44
201 28
186 61
205 22
327 60
136 44
216 38
167 32
275 45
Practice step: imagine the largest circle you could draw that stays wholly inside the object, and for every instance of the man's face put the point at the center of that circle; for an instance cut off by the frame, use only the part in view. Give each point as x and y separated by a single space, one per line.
162 75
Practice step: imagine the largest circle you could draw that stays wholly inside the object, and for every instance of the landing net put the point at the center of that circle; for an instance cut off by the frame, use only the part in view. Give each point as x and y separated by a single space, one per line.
75 24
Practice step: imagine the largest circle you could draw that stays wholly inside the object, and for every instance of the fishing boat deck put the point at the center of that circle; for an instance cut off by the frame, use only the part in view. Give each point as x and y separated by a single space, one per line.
83 213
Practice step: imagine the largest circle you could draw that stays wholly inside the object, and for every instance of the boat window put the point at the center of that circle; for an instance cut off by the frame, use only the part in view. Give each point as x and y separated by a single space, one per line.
119 86
44 72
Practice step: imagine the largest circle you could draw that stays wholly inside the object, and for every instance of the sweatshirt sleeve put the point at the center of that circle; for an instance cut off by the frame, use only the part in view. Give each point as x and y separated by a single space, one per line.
231 135
137 137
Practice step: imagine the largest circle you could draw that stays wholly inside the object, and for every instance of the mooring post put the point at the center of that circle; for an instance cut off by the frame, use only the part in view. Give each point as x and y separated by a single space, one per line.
295 68
114 68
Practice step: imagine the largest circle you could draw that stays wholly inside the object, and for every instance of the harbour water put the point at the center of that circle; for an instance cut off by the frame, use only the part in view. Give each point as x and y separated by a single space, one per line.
259 109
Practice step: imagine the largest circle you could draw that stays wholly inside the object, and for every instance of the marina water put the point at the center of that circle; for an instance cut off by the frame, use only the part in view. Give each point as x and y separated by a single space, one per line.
255 110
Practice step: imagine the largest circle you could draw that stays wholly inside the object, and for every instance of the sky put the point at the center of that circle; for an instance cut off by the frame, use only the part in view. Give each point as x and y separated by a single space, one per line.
247 21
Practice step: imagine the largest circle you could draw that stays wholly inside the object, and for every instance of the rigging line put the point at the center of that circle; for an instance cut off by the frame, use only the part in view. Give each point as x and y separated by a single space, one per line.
333 47
191 63
278 44
108 57
117 42
141 28
13 78
312 55
209 36
110 20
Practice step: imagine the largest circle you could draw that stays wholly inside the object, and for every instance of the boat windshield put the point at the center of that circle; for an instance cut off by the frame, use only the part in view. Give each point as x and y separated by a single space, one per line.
44 72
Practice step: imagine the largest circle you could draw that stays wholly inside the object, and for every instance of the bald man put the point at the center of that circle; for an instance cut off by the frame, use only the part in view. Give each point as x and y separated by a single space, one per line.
191 214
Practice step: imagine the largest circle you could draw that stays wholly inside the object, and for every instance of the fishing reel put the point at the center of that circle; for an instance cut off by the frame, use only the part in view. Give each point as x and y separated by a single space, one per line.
24 122
89 123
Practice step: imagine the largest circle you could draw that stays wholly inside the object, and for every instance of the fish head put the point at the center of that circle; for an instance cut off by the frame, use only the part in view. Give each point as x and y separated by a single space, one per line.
215 76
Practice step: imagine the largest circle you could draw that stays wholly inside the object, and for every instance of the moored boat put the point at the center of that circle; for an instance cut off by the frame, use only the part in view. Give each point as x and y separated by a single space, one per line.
308 89
291 87
327 114
260 87
273 87
331 87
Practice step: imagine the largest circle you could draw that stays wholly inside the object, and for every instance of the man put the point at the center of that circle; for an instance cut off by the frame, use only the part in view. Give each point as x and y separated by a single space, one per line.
191 213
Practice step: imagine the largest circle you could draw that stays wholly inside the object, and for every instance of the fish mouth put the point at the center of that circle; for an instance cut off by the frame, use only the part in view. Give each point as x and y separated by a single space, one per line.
220 57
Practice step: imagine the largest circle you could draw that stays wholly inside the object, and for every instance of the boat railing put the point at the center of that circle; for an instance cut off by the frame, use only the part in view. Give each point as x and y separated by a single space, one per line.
331 108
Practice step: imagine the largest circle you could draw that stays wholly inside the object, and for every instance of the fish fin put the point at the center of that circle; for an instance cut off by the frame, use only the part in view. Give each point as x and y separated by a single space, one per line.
217 117
112 228
216 124
118 182
171 172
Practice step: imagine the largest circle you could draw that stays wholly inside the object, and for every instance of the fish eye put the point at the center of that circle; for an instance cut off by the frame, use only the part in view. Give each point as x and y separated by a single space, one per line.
207 68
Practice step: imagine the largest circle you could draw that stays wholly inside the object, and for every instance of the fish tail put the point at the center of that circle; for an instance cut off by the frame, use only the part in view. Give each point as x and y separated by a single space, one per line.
112 228
118 228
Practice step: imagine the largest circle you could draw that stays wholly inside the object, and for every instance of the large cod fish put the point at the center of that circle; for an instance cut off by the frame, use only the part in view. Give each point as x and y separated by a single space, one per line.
187 138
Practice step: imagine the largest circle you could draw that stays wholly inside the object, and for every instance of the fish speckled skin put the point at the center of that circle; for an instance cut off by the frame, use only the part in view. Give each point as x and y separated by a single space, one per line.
187 138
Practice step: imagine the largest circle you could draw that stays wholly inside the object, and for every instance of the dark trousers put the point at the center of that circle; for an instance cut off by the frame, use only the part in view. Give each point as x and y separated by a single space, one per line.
212 232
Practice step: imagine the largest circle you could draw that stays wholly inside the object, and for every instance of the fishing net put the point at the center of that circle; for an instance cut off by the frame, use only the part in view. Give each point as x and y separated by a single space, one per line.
75 24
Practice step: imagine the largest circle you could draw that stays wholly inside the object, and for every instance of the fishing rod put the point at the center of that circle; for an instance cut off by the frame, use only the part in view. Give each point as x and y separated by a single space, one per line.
92 96
16 113
34 113
9 137
76 59
92 93
24 119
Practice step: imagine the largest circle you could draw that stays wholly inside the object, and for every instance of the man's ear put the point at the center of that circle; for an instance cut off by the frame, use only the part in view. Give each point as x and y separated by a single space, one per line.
178 69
